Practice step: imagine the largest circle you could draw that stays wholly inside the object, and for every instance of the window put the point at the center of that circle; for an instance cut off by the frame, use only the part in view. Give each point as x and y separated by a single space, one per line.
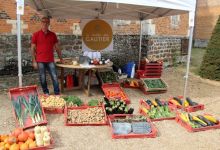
175 21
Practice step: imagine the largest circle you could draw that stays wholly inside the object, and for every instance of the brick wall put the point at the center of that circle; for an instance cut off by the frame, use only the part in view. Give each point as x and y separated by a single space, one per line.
206 17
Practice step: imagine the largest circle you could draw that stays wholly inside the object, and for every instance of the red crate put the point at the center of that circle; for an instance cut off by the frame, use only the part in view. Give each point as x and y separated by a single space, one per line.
144 74
188 108
81 124
25 91
52 110
151 92
143 103
115 88
153 134
145 65
190 129
51 146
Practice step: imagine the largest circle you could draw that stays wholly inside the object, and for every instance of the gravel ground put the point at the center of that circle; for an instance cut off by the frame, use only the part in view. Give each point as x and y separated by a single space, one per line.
171 135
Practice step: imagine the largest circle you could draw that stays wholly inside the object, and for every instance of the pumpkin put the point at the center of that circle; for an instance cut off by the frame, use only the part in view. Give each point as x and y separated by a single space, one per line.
14 147
17 131
32 144
31 135
23 136
24 146
12 140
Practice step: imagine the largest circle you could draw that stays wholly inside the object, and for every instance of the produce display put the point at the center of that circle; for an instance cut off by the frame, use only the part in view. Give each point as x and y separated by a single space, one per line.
130 83
27 107
199 121
157 109
131 125
88 115
73 101
154 83
108 77
117 106
189 104
52 101
24 140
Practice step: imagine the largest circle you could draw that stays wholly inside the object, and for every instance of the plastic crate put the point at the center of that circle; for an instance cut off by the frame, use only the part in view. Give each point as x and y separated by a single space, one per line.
190 129
143 103
51 146
151 92
153 133
153 89
83 124
125 85
188 108
145 74
145 65
25 91
52 110
115 88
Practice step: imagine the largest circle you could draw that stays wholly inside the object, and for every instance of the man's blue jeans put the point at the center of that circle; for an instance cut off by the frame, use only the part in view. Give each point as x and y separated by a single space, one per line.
50 67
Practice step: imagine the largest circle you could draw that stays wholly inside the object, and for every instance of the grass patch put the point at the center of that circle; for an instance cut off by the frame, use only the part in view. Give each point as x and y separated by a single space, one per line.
196 59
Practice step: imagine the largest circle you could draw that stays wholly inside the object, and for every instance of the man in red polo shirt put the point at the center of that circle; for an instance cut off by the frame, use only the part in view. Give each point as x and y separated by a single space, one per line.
43 44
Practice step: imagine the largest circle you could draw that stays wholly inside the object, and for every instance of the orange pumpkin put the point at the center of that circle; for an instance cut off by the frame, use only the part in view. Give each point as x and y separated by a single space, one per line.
32 145
23 136
12 140
14 147
3 137
17 131
29 140
31 135
24 146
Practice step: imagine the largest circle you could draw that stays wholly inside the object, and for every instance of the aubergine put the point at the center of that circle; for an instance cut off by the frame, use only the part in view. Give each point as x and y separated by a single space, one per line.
190 117
178 100
148 102
209 123
201 124
158 102
191 103
130 111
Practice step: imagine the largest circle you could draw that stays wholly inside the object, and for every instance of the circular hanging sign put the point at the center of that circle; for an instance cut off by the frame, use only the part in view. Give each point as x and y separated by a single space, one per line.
97 35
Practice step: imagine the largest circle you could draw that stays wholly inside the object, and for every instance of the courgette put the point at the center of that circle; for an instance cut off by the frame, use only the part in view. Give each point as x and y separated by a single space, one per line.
209 123
191 103
178 100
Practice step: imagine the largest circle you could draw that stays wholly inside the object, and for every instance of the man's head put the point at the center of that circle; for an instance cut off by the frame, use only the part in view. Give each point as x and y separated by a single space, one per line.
45 22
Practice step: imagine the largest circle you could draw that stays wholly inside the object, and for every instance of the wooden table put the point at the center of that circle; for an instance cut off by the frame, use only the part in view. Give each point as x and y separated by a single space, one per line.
82 71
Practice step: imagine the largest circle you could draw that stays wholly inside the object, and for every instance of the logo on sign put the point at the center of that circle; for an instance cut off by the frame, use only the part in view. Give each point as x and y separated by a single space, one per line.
97 35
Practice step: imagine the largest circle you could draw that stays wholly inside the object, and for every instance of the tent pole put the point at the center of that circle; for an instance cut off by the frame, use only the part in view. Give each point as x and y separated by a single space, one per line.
191 28
19 49
139 58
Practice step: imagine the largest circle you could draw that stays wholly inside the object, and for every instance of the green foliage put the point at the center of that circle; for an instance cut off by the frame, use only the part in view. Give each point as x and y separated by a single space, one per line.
210 67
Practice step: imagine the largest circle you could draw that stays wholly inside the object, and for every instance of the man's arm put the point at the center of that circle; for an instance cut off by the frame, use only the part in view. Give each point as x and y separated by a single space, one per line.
33 53
58 50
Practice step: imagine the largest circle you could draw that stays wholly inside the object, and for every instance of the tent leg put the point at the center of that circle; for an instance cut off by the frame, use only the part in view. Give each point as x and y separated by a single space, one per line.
19 49
139 58
191 28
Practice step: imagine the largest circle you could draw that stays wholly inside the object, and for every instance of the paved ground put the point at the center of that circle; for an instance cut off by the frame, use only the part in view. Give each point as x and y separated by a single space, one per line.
171 136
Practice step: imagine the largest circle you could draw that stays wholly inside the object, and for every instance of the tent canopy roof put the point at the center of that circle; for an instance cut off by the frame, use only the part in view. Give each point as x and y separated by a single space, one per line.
112 9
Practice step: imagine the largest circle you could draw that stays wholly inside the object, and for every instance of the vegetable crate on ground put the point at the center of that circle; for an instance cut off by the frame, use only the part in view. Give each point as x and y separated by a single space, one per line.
27 108
189 105
116 106
153 85
85 116
165 112
197 123
131 126
146 74
52 104
130 83
115 91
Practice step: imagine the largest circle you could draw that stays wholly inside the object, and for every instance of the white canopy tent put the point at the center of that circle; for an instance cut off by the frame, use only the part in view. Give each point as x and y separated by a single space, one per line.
114 9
